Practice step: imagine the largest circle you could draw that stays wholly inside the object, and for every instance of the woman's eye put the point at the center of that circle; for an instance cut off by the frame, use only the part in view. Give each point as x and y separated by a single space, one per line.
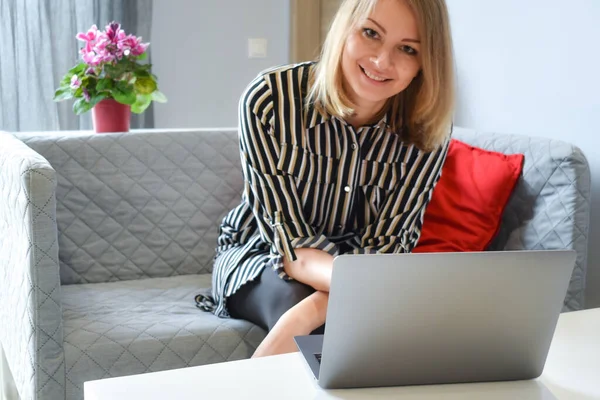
370 33
408 50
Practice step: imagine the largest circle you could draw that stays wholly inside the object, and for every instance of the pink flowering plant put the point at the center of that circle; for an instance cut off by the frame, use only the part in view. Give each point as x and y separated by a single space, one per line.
110 69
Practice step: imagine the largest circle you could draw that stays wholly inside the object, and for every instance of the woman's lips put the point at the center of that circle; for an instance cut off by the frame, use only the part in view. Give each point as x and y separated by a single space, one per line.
373 76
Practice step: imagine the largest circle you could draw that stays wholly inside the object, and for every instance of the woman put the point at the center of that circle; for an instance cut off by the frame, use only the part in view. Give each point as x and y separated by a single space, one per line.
339 156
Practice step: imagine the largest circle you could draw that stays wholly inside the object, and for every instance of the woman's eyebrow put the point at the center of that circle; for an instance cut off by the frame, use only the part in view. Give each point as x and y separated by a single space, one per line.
385 32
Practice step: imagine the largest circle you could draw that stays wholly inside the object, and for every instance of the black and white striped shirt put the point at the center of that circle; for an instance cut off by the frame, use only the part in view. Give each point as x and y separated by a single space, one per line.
314 181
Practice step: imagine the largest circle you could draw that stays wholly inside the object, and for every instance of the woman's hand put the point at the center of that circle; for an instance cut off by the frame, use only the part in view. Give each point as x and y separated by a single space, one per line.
312 267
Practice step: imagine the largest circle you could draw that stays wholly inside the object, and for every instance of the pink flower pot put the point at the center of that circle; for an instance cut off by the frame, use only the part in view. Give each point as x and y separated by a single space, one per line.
111 116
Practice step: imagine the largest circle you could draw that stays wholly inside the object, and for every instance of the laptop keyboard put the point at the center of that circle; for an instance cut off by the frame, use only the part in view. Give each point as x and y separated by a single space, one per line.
318 357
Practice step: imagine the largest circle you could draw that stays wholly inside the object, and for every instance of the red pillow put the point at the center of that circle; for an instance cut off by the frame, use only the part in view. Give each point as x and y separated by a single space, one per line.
467 204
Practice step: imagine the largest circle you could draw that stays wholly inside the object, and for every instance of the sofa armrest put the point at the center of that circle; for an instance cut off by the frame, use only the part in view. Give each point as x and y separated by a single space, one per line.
550 206
31 330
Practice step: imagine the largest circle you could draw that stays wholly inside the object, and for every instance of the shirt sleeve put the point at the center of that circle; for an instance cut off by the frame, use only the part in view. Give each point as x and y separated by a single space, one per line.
398 226
272 193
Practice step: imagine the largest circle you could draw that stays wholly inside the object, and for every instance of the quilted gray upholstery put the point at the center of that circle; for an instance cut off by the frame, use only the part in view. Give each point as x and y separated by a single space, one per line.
146 325
139 205
550 207
31 329
110 236
137 217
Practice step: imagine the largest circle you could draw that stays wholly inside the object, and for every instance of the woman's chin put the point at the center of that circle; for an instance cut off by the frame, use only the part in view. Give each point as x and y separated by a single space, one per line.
370 96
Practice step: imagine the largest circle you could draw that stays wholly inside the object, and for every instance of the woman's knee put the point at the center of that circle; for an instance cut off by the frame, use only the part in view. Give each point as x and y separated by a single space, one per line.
264 300
281 295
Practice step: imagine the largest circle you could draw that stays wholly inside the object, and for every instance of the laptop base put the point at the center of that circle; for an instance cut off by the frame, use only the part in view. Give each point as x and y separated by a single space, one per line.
311 347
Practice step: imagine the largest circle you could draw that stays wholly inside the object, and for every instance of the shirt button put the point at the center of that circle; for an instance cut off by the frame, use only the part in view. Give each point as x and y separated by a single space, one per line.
347 189
354 146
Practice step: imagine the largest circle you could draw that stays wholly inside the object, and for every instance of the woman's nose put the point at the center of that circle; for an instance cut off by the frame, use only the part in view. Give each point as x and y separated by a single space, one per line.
381 60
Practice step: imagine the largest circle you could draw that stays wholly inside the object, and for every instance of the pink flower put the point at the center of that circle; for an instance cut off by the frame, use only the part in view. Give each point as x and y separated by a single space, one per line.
103 43
131 45
113 30
109 46
90 35
88 48
91 59
107 57
86 95
126 43
140 49
121 35
75 82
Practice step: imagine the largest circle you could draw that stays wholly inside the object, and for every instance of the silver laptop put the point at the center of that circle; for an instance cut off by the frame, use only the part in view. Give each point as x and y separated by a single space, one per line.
414 319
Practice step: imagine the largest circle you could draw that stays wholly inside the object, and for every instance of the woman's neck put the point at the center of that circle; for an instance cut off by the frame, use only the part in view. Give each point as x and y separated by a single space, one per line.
366 115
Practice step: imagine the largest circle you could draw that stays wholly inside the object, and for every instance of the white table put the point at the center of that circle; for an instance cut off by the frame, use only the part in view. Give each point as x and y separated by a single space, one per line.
572 372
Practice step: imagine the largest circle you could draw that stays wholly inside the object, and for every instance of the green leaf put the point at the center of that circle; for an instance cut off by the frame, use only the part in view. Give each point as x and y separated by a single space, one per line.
115 71
97 99
63 93
81 106
124 96
110 70
78 69
66 81
142 56
104 84
142 102
123 86
145 85
159 97
141 73
88 82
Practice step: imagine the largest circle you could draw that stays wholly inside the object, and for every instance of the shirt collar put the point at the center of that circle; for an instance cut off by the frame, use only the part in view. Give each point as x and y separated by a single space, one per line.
322 117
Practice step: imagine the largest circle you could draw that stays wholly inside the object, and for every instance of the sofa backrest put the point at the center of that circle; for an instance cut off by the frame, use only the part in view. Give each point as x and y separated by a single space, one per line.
140 204
550 206
149 203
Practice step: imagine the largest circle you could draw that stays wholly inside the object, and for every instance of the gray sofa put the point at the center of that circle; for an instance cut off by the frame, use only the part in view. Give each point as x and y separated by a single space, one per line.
105 240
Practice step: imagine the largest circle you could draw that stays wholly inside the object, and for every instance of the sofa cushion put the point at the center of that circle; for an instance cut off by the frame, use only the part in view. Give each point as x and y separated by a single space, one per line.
132 327
467 204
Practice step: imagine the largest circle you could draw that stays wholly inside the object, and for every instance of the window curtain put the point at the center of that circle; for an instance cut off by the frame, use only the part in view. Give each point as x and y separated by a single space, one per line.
38 46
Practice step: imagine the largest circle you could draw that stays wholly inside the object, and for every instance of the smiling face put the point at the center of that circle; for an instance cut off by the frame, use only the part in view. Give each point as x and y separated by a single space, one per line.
381 55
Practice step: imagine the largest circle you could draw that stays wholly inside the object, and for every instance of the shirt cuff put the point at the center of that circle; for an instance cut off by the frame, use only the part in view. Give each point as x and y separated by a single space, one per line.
314 242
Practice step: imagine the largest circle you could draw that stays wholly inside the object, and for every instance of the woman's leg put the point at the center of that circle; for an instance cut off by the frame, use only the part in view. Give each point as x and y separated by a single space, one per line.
264 300
299 320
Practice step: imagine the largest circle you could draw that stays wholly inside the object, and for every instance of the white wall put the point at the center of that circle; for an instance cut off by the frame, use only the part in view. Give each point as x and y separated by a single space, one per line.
200 55
533 67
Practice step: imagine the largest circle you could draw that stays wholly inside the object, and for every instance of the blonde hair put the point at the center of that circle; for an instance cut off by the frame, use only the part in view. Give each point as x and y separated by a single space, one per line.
427 103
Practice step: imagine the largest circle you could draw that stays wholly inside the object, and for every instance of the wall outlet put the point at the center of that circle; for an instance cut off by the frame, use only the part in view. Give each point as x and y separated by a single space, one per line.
257 48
